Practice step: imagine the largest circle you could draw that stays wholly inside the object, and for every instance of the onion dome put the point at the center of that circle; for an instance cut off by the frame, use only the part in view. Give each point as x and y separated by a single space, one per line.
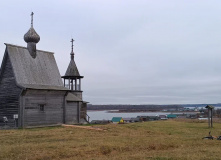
31 35
32 38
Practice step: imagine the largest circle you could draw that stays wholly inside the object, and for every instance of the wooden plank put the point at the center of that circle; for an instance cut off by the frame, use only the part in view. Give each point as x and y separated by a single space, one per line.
53 110
9 92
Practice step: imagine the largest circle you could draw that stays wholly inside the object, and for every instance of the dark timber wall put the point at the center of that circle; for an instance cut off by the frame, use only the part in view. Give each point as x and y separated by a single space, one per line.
83 110
72 113
53 102
77 93
9 92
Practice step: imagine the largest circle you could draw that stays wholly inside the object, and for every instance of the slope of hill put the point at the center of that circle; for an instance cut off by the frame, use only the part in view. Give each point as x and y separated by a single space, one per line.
158 140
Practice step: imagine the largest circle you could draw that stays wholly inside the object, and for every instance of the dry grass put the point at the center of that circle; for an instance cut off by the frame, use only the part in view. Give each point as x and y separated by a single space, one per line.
160 140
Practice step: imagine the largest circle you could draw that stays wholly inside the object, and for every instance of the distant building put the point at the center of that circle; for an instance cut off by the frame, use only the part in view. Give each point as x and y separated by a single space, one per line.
171 116
153 118
135 119
163 117
192 116
117 120
181 116
127 120
143 118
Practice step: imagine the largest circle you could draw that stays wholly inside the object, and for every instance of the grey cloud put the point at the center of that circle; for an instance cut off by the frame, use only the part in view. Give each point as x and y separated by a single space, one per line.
130 52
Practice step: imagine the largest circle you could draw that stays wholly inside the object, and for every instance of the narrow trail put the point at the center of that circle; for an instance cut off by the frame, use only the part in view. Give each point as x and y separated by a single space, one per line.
83 127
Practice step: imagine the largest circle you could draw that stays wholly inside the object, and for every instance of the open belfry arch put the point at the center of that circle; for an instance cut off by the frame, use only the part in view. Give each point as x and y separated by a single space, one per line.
31 89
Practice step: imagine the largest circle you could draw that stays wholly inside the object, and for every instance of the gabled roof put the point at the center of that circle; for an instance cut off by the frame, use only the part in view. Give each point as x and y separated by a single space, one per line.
72 70
116 119
35 73
171 116
72 98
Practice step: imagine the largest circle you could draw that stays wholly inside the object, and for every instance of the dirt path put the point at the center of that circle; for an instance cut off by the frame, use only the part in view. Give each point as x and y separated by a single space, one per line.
84 127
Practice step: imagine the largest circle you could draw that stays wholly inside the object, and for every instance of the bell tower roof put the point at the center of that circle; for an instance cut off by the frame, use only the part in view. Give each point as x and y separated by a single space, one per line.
72 70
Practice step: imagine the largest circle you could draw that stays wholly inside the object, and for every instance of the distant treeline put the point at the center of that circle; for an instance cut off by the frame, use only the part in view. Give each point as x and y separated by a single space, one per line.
133 107
146 107
200 105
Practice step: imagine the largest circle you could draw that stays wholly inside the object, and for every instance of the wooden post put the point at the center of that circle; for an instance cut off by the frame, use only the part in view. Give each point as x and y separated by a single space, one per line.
72 85
79 84
78 110
210 115
69 83
75 84
64 108
211 118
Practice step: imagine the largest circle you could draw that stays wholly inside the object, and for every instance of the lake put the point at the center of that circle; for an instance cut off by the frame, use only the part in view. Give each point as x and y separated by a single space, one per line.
105 115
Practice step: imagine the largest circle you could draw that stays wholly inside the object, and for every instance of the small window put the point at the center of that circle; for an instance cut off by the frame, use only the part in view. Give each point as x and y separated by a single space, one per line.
42 107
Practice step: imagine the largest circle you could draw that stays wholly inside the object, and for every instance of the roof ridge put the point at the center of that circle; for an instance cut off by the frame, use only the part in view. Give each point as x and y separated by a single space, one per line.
13 45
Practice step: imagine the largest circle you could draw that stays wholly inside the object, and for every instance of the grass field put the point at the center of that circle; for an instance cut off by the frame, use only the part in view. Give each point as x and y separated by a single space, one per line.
157 140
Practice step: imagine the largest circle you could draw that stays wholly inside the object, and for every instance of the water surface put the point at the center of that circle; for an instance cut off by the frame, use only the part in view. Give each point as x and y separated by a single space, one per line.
105 115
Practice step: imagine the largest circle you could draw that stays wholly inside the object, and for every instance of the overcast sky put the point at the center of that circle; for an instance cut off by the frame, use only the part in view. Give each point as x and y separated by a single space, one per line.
129 51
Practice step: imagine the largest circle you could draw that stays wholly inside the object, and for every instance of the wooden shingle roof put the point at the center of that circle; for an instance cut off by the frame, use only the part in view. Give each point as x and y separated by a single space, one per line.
72 70
72 98
35 73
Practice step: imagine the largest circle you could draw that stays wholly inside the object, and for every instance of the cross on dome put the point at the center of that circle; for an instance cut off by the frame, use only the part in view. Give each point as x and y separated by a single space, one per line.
32 14
32 38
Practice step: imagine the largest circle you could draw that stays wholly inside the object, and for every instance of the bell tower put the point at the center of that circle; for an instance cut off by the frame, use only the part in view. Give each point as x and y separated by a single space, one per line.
72 78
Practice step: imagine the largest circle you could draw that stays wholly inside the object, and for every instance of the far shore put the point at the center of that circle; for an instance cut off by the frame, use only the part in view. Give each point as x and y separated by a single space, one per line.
141 111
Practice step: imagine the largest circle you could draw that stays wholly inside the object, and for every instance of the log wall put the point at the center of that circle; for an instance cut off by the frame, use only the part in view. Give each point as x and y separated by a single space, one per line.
9 91
53 102
72 113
